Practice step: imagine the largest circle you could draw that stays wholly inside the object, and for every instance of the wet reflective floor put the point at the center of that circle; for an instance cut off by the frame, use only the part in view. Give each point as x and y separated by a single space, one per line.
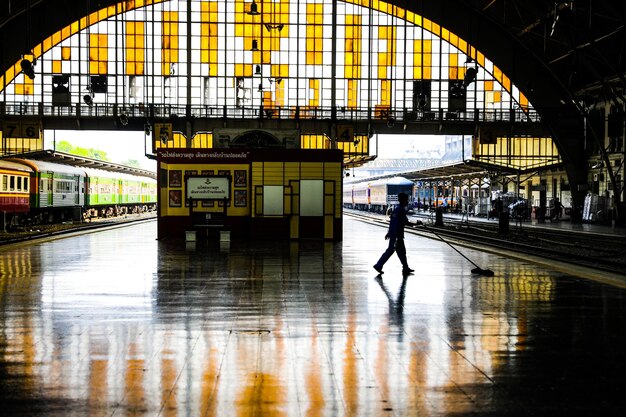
116 323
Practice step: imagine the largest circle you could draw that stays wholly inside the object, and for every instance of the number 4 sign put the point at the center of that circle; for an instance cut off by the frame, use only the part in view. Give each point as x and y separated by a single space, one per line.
345 133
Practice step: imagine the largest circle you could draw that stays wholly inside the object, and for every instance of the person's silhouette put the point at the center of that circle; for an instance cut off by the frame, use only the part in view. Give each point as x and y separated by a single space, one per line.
396 306
396 236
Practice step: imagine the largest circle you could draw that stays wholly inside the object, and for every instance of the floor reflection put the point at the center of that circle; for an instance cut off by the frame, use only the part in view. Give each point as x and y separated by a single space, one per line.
117 323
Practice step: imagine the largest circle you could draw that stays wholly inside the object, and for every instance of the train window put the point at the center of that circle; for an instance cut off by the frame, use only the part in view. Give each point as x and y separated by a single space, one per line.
4 183
63 187
19 183
12 183
26 184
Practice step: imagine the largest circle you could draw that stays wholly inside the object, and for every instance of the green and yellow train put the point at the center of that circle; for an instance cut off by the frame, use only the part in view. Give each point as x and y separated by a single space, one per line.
60 192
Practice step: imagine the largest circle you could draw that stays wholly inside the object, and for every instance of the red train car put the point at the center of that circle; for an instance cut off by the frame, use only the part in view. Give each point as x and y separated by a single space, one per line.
14 191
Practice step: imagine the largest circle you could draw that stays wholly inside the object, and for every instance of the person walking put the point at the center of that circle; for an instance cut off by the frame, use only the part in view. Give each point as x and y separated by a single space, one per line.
395 235
558 209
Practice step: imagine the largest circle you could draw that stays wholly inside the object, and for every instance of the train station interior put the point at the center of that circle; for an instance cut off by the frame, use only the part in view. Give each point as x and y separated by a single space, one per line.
244 284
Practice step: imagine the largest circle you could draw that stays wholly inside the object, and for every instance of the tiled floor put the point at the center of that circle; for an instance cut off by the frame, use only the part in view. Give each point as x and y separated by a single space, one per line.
117 324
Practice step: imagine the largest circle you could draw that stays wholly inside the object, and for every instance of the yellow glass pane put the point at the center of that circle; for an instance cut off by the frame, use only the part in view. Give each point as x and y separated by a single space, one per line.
57 68
353 86
385 86
66 53
239 70
523 101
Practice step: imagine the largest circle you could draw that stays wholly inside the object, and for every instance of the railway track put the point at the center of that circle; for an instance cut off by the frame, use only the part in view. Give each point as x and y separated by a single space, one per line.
606 253
58 229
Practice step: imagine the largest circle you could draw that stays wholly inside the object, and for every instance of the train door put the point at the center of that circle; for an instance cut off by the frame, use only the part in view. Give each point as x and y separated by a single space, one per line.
77 190
50 190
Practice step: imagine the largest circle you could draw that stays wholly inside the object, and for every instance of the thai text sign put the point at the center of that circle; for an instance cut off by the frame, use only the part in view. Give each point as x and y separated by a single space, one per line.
208 188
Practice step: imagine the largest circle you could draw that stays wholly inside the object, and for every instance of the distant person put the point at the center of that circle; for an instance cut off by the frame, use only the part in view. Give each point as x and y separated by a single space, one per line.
499 207
558 208
396 236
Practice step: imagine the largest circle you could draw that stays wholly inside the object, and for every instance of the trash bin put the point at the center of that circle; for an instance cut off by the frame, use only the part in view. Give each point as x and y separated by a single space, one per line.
503 223
439 216
225 236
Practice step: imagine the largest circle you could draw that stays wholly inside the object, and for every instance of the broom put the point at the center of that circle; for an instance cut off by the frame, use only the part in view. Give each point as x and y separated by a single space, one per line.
477 270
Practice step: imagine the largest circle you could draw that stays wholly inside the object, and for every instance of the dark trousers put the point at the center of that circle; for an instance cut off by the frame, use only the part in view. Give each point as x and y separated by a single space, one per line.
395 245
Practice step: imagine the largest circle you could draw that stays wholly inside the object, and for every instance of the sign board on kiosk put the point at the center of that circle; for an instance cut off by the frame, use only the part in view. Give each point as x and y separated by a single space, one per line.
208 188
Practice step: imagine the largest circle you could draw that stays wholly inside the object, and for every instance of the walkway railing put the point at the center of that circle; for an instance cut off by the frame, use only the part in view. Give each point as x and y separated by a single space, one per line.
164 111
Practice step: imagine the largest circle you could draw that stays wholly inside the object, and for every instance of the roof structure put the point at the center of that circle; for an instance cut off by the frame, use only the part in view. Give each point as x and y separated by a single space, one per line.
83 162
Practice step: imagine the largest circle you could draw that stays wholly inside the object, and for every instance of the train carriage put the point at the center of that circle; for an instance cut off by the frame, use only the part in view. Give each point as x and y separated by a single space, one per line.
14 191
377 195
57 190
361 196
114 193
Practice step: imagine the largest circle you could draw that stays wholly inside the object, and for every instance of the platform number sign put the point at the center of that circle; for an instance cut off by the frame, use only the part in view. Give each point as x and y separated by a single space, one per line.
488 136
24 129
163 132
345 133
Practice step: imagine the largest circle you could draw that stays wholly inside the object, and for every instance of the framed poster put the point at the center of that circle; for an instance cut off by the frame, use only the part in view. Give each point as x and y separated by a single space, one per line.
175 178
240 178
227 174
176 197
241 198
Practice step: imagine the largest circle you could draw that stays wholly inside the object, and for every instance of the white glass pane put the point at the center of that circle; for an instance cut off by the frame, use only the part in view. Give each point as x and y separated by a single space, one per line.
272 200
311 198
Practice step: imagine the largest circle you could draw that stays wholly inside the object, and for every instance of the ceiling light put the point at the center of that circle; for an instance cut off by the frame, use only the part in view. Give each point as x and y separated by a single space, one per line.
254 9
28 68
470 76
88 99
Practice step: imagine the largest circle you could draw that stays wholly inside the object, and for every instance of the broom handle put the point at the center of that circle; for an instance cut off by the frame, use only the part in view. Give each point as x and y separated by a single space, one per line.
450 244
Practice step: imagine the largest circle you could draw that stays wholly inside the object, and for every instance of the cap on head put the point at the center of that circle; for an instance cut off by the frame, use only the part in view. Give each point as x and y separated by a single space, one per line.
403 198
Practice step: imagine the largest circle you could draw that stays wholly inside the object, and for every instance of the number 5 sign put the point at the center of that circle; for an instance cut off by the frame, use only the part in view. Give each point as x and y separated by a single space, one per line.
162 132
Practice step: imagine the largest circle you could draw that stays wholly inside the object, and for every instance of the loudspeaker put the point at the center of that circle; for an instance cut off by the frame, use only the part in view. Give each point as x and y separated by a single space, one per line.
456 95
421 95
